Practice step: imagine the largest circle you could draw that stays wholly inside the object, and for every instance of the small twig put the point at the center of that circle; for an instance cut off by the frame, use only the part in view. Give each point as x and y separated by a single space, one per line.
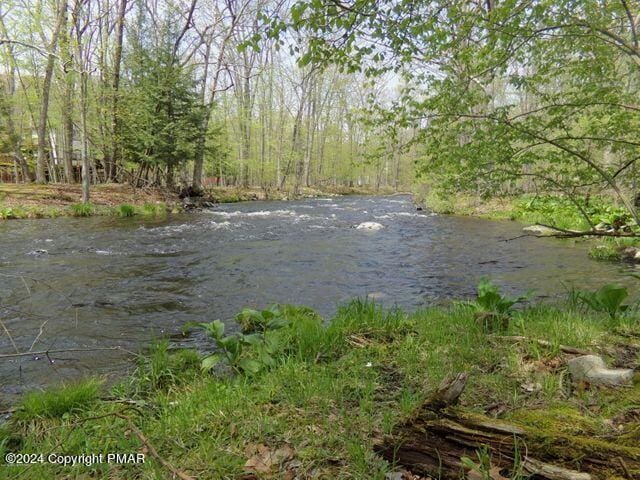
152 450
39 334
10 337
624 467
64 350
546 343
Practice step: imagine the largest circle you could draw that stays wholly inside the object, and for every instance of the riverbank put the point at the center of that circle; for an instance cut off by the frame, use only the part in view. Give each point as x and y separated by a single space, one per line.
18 201
547 210
313 400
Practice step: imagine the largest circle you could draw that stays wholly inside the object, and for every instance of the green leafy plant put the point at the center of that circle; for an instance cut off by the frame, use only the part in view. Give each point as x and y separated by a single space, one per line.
125 210
261 320
7 213
494 309
244 353
490 299
607 299
82 209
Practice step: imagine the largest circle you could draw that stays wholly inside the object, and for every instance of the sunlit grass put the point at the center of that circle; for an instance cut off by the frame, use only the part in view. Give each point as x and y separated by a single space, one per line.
334 389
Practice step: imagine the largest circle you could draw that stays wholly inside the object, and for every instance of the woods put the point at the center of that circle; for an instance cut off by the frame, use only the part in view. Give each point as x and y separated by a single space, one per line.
178 94
508 97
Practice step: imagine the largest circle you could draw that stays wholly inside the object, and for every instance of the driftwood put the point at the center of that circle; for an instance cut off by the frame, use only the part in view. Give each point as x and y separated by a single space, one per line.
433 441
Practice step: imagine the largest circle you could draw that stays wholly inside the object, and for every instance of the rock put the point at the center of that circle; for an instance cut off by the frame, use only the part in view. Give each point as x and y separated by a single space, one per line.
602 227
631 253
376 295
593 370
188 203
540 230
369 226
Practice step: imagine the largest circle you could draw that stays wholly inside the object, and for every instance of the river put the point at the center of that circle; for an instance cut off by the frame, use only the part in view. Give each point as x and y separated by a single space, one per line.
101 282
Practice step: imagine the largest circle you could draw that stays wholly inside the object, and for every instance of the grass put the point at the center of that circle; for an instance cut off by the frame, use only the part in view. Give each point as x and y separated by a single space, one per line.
125 210
333 390
20 201
82 209
57 402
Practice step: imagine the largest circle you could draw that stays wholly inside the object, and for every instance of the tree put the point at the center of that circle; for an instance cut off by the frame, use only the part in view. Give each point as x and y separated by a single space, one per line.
498 90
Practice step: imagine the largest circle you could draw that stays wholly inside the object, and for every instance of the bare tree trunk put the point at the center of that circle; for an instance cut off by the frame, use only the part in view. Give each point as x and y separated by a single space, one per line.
111 164
67 105
84 83
46 91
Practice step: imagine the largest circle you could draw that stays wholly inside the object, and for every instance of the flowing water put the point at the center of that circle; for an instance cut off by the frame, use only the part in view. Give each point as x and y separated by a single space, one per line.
102 282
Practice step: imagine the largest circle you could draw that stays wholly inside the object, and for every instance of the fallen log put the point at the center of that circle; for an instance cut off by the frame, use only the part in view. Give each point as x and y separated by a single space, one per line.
437 436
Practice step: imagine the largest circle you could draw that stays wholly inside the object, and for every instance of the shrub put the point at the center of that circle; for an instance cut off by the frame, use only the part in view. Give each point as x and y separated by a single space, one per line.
154 209
82 209
125 210
7 213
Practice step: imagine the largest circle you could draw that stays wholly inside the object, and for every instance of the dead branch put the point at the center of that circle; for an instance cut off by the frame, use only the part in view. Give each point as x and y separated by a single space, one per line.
64 350
434 439
546 343
151 449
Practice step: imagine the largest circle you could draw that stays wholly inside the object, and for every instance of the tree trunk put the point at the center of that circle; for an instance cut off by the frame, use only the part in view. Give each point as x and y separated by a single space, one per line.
67 107
46 91
84 104
112 161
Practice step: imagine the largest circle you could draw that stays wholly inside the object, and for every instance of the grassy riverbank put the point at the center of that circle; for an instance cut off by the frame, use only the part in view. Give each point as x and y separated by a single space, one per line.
548 210
19 201
332 391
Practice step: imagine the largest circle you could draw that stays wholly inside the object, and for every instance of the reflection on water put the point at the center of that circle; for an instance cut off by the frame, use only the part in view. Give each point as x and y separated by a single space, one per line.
101 282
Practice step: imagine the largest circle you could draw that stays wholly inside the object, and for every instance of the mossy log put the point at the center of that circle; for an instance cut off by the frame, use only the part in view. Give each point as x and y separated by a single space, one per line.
435 439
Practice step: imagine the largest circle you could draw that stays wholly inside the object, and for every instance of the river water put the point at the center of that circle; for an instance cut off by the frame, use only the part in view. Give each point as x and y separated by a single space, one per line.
102 282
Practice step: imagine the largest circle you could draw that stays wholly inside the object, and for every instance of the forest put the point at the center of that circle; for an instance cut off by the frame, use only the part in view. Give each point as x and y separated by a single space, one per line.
181 94
485 98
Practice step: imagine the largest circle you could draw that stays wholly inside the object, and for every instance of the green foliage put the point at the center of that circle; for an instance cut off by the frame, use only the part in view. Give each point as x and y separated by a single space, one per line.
551 115
371 370
489 299
154 209
244 352
59 401
82 209
125 210
607 299
606 252
494 310
162 368
161 114
7 213
260 321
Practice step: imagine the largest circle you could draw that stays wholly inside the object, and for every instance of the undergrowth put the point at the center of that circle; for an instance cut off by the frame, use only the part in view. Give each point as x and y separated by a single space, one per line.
332 389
